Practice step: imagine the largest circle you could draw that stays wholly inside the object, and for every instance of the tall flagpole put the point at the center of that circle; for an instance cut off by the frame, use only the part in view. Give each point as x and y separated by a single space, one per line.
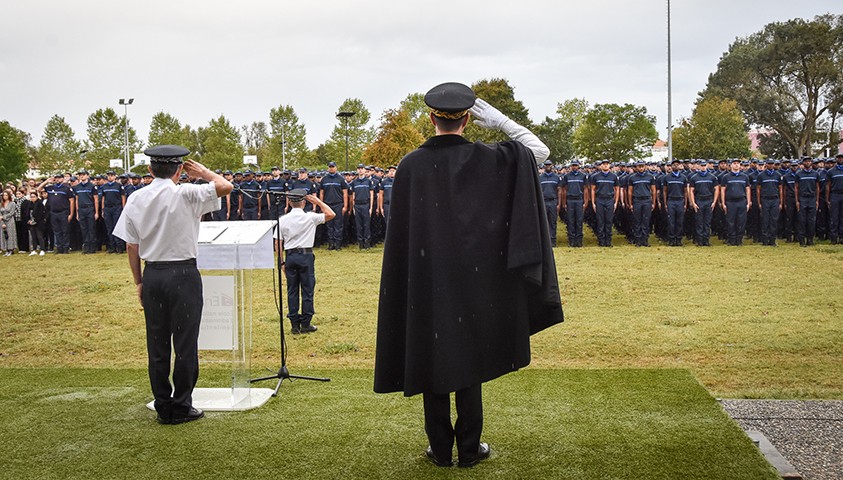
669 98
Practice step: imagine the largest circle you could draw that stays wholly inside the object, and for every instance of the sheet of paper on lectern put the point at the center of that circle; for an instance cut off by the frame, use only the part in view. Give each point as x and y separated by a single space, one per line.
209 233
218 327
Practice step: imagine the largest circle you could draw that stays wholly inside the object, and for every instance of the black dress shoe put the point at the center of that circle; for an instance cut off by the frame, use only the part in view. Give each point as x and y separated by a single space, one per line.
163 420
439 463
307 329
193 414
482 454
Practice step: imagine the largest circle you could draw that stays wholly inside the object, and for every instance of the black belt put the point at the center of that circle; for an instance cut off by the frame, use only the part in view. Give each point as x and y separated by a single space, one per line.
770 197
578 197
706 197
173 263
648 197
605 197
676 198
550 199
808 196
298 250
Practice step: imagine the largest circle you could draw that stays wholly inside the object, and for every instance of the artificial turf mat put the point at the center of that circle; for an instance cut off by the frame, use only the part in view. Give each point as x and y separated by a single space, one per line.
559 424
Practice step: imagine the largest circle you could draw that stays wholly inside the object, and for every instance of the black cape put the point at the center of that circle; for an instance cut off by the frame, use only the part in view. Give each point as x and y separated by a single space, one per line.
468 270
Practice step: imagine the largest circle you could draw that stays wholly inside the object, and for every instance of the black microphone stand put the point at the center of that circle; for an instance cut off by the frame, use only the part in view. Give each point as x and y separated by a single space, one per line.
283 373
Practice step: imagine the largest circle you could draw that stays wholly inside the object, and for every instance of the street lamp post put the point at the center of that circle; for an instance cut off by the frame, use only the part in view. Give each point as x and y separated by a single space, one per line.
126 104
669 93
344 116
283 147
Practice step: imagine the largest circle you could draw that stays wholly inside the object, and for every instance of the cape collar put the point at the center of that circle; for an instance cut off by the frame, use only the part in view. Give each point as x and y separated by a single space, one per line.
449 140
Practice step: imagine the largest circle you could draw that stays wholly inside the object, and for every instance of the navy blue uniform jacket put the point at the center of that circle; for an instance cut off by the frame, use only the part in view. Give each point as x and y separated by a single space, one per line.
468 270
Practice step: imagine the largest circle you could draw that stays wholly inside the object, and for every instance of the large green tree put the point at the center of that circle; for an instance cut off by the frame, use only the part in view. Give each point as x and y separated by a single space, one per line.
284 126
500 94
220 146
166 129
558 132
14 155
59 150
616 132
396 136
360 135
107 139
787 77
716 130
419 114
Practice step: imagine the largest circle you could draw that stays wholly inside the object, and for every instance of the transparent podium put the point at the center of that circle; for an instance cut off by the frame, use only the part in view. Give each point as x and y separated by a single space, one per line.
228 254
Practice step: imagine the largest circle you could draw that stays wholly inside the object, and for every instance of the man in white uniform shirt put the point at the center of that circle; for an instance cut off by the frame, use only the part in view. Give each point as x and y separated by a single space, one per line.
296 232
160 225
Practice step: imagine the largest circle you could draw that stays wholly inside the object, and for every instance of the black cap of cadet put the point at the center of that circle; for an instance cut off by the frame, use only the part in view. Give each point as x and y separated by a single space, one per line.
332 164
166 153
547 163
360 165
296 194
450 100
82 172
110 172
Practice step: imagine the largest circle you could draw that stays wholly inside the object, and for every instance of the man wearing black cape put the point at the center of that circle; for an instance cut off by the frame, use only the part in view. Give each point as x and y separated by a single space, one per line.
468 271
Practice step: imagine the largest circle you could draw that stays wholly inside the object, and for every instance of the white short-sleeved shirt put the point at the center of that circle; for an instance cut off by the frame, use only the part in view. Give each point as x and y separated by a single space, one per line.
298 229
163 219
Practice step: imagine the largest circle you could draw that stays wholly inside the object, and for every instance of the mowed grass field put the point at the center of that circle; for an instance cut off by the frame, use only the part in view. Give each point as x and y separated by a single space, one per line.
754 321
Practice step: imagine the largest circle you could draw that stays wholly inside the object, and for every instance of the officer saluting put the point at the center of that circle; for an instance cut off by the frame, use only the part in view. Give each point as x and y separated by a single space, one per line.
160 225
468 270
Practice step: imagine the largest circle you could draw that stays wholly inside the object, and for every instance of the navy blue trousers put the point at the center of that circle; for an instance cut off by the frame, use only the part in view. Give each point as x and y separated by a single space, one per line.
605 214
642 210
301 282
335 226
702 221
735 221
574 216
88 227
675 219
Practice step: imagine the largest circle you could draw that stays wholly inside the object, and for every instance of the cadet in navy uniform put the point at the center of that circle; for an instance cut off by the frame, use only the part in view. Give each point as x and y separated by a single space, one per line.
274 188
674 195
87 211
113 199
789 185
334 192
807 193
770 199
250 195
362 196
605 189
642 190
834 198
574 193
735 200
552 193
161 225
62 206
703 195
296 235
385 198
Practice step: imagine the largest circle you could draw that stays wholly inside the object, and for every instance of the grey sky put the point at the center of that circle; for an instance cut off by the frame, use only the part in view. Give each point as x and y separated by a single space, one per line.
199 59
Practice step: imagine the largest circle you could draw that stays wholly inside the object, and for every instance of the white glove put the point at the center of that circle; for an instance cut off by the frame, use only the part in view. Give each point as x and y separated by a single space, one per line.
492 118
487 116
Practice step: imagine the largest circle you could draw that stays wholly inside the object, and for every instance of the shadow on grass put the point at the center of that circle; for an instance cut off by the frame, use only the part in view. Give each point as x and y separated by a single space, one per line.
559 424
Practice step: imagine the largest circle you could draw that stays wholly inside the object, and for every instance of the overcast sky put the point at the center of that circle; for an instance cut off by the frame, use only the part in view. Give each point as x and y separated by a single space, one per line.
199 59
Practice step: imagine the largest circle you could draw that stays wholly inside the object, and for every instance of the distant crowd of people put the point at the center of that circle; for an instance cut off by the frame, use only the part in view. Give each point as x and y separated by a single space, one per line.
790 200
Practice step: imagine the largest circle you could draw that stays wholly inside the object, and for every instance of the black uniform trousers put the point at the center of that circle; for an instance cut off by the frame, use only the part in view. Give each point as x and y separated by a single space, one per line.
335 226
301 281
363 223
835 218
550 211
675 219
790 219
61 229
605 212
466 430
702 221
735 221
385 218
111 215
574 217
642 210
769 219
807 226
172 305
250 213
88 226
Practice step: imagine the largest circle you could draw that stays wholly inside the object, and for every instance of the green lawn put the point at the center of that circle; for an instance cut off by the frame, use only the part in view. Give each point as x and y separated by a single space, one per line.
747 322
75 423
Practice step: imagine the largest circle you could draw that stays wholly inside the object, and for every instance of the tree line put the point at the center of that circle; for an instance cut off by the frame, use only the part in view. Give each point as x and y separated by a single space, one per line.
787 79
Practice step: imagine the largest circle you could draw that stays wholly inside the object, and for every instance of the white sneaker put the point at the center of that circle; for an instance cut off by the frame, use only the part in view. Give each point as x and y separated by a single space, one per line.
41 254
33 253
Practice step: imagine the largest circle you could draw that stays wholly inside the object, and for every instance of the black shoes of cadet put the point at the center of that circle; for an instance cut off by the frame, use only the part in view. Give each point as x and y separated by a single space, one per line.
193 414
482 454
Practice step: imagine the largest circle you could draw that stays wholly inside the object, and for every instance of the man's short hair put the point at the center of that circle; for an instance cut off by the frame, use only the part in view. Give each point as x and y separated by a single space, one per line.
163 170
447 124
